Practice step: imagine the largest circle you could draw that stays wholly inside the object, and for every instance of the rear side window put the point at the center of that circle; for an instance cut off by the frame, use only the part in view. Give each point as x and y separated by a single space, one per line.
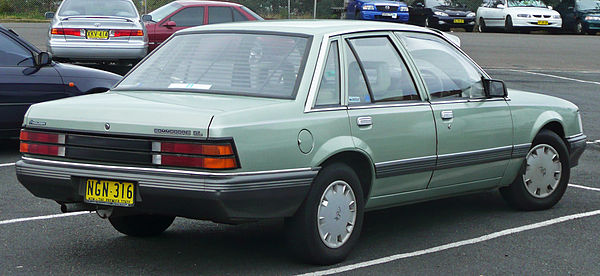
219 15
262 65
189 17
13 54
329 88
238 16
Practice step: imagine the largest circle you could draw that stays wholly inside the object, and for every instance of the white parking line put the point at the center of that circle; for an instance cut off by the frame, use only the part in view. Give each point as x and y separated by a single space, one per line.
554 76
584 187
6 165
44 217
454 244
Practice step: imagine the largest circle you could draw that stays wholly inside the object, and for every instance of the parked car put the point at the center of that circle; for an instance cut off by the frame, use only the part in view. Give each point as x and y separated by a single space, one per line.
580 16
312 121
179 15
518 15
97 31
29 76
442 14
379 10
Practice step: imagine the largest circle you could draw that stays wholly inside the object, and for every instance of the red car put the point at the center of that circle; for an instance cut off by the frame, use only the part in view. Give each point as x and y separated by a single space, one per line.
177 15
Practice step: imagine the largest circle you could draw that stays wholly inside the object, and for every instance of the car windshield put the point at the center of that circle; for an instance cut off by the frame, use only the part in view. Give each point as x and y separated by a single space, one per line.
262 65
162 12
526 3
443 3
120 8
583 5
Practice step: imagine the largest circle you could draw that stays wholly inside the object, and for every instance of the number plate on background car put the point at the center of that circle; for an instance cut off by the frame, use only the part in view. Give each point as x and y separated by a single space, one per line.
542 22
109 192
393 15
97 34
459 21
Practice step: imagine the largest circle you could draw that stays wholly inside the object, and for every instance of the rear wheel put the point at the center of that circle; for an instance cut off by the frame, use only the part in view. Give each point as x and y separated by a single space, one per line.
328 224
544 176
141 225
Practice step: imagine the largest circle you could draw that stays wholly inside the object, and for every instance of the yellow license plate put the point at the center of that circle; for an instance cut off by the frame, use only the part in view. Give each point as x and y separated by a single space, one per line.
108 192
97 34
459 21
542 22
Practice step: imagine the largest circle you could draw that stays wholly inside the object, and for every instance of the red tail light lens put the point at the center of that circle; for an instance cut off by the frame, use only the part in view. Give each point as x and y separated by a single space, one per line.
53 150
42 137
120 33
67 31
206 156
35 142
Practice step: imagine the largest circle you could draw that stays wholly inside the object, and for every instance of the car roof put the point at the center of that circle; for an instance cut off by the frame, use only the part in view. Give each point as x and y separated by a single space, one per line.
199 3
308 27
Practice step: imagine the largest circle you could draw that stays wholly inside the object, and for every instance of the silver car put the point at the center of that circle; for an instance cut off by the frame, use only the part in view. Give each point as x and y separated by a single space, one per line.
98 31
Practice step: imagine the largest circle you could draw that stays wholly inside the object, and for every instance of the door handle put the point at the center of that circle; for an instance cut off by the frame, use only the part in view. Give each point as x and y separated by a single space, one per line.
364 121
447 114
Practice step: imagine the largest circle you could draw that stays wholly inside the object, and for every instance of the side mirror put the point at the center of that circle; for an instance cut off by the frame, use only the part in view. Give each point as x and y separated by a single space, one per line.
43 59
550 7
49 15
147 17
494 88
170 24
500 6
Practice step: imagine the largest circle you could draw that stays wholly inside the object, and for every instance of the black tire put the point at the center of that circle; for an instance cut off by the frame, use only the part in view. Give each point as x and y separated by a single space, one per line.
302 230
141 225
508 25
481 26
579 29
517 194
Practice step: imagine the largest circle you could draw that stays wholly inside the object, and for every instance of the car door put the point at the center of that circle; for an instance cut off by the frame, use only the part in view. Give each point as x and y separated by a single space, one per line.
389 120
417 12
183 18
496 14
22 83
474 133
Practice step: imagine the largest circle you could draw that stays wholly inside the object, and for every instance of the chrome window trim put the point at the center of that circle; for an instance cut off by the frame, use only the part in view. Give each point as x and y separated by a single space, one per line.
367 106
319 67
471 100
323 109
157 170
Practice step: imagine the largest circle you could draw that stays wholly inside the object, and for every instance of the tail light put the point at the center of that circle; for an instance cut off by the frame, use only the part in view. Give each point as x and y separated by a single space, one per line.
120 33
205 156
68 31
44 143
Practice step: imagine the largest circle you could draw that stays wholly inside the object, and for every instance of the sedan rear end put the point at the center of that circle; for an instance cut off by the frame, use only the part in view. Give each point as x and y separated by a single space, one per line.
87 30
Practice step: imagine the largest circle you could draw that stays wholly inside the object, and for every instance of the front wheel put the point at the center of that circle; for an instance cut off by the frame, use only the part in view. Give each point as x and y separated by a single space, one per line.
579 29
481 26
544 176
328 224
141 225
508 25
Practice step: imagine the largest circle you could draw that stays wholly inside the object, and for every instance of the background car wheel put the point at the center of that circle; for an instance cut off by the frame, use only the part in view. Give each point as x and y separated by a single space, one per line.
544 176
508 25
579 28
328 224
481 26
141 225
426 23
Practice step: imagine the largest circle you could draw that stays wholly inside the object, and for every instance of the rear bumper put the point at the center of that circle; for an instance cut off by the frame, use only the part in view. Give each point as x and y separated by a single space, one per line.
211 196
576 146
97 51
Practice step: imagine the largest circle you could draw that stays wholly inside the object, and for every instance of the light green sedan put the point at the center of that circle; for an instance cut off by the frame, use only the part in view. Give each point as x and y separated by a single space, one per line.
312 121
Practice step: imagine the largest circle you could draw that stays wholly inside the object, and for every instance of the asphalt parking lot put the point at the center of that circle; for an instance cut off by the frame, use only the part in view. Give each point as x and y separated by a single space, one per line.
473 235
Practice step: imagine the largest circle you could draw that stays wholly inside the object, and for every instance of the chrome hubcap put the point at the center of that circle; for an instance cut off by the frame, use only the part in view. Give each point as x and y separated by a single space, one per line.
579 28
543 170
336 214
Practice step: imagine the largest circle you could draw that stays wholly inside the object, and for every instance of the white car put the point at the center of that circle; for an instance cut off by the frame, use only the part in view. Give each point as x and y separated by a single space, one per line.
517 15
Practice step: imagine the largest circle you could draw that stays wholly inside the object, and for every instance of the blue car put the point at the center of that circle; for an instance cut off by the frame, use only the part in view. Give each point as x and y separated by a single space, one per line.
28 76
381 10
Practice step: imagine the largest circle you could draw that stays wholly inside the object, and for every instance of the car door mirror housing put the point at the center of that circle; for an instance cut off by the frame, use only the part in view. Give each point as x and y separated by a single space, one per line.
494 88
49 15
43 59
146 17
170 24
500 6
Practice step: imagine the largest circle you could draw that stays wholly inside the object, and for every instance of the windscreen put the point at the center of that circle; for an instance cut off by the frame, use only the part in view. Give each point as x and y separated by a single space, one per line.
584 5
526 3
121 8
262 65
443 3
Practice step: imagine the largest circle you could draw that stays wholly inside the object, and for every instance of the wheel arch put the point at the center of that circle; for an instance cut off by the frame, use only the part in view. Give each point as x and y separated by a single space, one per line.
360 162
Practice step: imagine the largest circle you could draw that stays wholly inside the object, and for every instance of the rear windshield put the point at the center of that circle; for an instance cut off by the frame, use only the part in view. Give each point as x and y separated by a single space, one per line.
263 65
121 8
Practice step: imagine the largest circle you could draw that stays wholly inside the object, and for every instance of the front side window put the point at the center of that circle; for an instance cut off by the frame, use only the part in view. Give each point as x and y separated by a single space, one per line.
13 54
329 88
189 17
447 72
164 11
121 8
219 15
383 68
262 65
